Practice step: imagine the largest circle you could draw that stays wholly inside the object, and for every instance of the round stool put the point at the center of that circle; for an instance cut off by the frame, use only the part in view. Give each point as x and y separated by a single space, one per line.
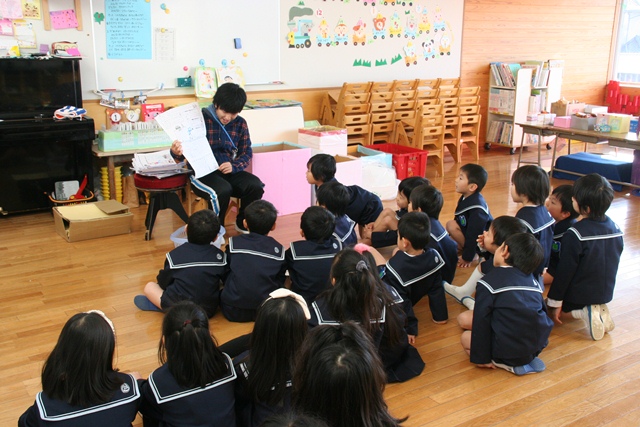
162 195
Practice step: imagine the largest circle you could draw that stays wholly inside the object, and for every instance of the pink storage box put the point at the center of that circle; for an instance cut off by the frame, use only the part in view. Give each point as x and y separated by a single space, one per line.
282 167
562 121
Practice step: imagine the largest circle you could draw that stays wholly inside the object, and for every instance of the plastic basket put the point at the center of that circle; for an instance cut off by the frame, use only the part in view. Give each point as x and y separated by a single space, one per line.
179 237
407 161
87 196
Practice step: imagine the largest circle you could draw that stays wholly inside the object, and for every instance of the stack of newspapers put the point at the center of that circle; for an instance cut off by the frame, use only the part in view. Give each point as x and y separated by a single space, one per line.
158 164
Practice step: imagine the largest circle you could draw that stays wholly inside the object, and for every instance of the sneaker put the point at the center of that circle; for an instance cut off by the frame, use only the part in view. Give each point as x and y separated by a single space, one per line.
606 318
143 303
240 228
452 291
468 302
591 316
533 367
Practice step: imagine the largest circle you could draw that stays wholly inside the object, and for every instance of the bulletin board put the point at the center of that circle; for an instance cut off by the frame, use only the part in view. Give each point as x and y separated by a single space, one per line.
146 44
326 43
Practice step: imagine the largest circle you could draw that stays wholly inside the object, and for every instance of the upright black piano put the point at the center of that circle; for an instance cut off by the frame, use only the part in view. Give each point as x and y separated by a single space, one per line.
36 151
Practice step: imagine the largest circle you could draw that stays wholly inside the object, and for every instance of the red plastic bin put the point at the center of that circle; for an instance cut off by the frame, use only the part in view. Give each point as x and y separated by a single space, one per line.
408 161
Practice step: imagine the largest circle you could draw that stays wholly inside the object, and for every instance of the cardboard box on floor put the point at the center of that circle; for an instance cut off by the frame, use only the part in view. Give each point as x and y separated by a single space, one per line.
92 220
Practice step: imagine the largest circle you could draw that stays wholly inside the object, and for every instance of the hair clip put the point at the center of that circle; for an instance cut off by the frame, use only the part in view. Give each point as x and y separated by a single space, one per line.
284 293
362 265
186 322
104 316
361 248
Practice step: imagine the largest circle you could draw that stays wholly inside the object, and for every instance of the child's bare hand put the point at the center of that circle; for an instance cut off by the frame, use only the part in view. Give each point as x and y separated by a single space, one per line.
464 264
554 314
412 339
486 365
480 240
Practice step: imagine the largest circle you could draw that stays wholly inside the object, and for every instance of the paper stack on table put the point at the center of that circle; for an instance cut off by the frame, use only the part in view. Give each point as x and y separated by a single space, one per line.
158 164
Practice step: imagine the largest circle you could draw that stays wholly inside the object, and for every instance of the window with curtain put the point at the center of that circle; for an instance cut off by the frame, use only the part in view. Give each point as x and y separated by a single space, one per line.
626 68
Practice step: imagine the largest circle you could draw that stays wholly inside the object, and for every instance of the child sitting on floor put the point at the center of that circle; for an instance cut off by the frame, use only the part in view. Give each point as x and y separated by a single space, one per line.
472 216
193 271
309 260
256 262
589 259
335 198
560 207
509 326
384 232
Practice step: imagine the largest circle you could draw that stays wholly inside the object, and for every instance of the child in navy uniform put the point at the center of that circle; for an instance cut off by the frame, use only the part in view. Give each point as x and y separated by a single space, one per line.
195 375
81 388
309 261
428 199
510 325
472 216
264 372
384 232
364 207
589 259
530 186
256 262
334 197
193 271
560 207
415 271
500 228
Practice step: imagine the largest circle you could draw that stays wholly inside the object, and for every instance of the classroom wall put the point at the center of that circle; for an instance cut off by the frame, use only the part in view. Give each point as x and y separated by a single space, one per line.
578 31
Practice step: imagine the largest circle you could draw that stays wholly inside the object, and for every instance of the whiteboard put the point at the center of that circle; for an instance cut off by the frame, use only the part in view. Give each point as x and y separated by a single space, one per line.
145 44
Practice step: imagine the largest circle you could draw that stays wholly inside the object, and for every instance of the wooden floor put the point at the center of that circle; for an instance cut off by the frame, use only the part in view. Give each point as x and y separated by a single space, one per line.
44 280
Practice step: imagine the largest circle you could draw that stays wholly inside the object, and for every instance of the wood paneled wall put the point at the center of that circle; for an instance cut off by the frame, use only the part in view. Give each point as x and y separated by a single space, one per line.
578 31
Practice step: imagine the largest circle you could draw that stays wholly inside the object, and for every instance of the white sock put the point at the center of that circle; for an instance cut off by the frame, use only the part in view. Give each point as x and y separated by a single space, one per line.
469 287
578 314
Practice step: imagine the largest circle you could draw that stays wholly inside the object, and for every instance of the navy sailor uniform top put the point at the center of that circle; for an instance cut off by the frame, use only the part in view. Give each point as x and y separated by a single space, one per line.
559 228
257 268
589 259
473 217
345 231
309 264
446 247
510 322
249 412
193 272
364 206
167 403
540 223
119 411
414 277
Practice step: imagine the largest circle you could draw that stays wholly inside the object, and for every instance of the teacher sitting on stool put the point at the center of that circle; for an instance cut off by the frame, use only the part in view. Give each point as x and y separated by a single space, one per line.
228 136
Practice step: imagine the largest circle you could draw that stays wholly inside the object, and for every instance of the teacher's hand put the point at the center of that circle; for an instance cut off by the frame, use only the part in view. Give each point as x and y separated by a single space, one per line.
225 168
176 148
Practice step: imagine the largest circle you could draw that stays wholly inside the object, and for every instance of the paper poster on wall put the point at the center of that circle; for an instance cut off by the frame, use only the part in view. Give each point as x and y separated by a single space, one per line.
6 29
61 19
128 29
230 74
11 9
24 33
31 9
206 82
165 44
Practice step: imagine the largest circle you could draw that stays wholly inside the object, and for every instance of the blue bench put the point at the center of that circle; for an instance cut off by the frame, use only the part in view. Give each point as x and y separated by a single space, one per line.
584 163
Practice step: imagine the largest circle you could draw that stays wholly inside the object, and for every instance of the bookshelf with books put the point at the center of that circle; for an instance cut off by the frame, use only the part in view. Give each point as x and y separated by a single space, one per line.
518 92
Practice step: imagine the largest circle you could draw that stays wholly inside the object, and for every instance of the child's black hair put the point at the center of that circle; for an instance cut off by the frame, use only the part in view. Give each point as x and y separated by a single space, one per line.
322 167
407 185
317 224
504 226
416 228
533 182
293 419
203 227
525 252
260 215
278 333
476 174
564 194
594 195
333 196
79 371
230 98
428 199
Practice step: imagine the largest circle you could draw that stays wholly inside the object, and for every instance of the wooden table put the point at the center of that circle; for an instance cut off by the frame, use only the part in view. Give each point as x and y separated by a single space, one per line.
111 162
622 140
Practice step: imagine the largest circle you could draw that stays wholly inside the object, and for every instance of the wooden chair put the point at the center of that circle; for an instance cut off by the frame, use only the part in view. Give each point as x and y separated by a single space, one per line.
469 91
470 134
425 132
358 129
381 86
428 83
333 102
402 85
451 123
450 82
382 120
426 96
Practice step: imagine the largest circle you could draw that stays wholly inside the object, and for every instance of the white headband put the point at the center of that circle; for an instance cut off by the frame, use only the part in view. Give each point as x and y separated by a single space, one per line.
283 293
104 316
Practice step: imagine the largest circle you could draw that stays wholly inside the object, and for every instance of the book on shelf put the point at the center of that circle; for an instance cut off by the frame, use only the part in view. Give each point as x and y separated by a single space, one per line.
495 73
501 101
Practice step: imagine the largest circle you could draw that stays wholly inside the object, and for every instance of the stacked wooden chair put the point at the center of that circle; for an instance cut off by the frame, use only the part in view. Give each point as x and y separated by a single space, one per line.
382 123
425 132
352 99
470 119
